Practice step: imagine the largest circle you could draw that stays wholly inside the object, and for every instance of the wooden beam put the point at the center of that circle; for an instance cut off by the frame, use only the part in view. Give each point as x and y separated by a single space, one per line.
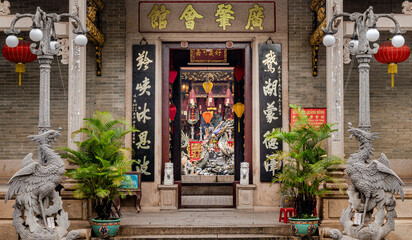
25 24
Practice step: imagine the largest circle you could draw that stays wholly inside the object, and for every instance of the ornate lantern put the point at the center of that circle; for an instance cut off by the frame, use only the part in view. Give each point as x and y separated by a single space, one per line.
172 76
192 98
207 86
210 104
193 115
20 55
207 116
228 98
238 71
239 109
391 55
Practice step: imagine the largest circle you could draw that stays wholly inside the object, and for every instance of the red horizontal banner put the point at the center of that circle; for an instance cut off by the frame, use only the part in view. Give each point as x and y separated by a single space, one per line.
317 116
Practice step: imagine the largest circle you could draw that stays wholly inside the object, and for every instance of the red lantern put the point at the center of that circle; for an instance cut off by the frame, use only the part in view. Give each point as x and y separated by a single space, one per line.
20 55
238 71
391 55
172 76
172 113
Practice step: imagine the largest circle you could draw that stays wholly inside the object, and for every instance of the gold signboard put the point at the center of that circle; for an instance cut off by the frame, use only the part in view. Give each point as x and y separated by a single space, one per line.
207 16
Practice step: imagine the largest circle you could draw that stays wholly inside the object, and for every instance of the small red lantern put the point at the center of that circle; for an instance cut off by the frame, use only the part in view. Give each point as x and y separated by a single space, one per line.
238 71
172 113
391 55
20 55
172 76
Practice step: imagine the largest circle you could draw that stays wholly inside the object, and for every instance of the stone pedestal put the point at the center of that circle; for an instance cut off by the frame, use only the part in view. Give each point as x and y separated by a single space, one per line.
244 196
168 197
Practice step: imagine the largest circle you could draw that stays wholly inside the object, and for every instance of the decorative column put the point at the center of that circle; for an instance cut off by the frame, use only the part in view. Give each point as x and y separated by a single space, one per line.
364 103
44 101
77 75
334 82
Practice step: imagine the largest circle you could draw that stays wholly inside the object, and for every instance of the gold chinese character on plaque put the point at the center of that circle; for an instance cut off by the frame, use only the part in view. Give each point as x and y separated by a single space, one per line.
255 18
158 16
190 14
224 12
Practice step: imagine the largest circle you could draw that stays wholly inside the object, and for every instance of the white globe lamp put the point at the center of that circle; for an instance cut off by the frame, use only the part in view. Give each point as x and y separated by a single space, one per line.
354 43
36 34
372 35
12 41
53 45
398 41
328 40
80 40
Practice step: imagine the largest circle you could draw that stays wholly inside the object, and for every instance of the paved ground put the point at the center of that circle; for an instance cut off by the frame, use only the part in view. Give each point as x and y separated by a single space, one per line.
221 217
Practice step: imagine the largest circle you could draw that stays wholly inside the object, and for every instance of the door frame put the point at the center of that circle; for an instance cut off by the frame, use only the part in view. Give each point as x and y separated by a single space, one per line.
166 48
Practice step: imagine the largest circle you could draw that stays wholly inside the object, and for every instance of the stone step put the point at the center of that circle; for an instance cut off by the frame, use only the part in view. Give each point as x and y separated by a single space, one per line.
133 230
207 190
212 236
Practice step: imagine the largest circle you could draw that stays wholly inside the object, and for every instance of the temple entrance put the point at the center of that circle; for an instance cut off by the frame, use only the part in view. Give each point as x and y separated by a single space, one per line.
206 87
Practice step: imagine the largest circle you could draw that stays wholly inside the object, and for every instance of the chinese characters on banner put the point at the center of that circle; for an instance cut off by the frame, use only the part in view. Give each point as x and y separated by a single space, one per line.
143 104
270 105
207 16
317 116
208 55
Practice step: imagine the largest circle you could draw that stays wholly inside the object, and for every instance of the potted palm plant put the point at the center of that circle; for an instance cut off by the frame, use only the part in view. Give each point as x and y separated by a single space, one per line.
305 168
101 163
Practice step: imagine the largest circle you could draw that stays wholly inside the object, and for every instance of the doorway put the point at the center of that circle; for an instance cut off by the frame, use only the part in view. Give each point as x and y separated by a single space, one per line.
201 133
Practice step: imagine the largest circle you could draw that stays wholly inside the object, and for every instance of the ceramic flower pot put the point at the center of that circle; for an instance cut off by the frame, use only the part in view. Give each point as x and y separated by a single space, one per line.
303 227
106 228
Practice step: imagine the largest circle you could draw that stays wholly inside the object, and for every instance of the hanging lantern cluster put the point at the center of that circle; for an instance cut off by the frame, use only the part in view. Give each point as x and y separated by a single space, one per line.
392 55
20 55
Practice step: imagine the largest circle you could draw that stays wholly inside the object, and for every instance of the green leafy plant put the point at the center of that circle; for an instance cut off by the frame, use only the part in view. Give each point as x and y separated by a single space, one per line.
306 164
101 161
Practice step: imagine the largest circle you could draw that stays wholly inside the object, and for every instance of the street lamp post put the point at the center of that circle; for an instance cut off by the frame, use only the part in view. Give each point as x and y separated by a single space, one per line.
43 31
364 32
373 182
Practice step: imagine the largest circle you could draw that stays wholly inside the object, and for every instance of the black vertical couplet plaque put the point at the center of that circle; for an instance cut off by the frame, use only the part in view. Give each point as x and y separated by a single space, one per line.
270 104
143 106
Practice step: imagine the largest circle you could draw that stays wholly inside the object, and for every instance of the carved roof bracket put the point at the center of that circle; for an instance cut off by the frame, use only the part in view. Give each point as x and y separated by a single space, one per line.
95 35
318 8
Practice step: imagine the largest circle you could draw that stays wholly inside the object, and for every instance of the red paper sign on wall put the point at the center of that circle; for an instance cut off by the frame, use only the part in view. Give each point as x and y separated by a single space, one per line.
317 116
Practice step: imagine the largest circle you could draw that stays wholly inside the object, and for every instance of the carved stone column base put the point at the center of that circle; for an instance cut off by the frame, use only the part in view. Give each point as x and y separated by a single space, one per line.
168 197
244 196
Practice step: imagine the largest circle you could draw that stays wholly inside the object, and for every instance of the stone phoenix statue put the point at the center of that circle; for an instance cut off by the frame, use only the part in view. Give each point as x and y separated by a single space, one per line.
374 182
373 189
34 185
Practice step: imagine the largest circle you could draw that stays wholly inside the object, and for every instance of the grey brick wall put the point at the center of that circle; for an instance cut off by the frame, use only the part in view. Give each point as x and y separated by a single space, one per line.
107 93
304 89
19 105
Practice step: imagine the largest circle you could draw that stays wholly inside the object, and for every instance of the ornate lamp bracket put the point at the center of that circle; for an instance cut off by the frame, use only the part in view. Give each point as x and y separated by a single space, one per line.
45 22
